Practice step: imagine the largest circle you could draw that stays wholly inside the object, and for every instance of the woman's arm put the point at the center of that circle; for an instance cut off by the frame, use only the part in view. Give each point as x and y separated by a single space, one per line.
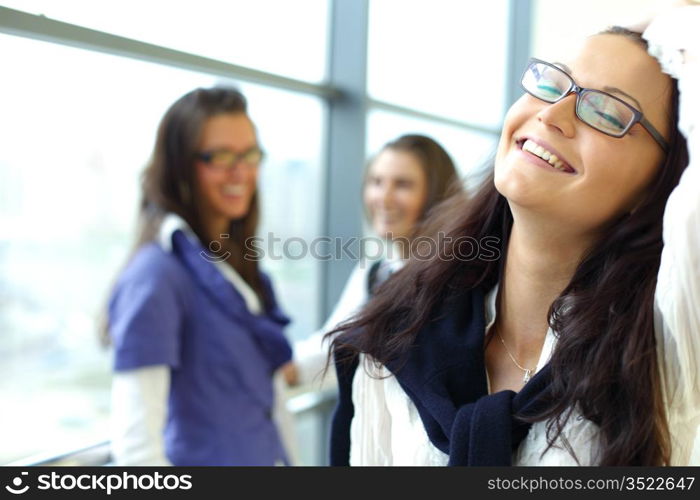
673 40
139 411
146 319
310 354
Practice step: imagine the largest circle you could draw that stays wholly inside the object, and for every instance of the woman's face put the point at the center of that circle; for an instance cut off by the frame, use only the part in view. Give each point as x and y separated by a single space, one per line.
610 174
226 193
395 193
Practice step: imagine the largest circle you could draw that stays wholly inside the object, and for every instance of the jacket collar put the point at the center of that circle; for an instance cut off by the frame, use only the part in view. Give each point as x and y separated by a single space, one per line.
207 269
266 328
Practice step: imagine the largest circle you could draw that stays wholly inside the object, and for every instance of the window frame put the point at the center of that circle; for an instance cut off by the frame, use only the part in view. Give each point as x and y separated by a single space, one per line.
344 93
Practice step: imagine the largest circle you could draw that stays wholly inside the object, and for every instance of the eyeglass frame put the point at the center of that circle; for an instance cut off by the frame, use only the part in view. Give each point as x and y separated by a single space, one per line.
206 158
638 116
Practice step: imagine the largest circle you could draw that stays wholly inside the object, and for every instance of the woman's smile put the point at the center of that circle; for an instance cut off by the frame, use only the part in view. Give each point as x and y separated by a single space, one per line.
234 190
541 154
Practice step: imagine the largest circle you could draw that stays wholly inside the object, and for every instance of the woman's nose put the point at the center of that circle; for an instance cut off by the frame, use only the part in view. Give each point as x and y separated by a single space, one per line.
238 171
386 196
560 115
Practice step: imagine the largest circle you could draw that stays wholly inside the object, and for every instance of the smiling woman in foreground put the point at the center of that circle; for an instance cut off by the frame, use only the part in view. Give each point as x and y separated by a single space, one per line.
580 345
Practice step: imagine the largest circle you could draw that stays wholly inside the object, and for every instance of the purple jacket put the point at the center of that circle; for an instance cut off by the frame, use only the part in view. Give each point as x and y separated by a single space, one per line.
176 309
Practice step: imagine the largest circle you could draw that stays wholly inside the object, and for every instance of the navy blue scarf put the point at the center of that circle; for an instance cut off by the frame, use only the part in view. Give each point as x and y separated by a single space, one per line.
444 374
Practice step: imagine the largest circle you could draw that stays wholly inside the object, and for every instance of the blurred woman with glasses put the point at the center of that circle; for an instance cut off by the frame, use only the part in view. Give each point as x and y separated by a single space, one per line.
196 329
402 184
581 344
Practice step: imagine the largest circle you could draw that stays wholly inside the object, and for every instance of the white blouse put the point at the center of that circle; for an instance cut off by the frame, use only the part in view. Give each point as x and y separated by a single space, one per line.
386 428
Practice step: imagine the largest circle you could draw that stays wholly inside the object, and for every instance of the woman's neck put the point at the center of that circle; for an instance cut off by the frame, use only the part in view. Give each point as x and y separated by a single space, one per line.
217 228
540 263
400 249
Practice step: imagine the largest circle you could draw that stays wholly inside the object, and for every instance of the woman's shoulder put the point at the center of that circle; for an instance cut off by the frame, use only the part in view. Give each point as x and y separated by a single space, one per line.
358 279
363 267
151 262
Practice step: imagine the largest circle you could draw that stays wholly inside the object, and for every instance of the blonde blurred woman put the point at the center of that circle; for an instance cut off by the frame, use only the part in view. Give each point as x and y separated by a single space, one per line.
402 184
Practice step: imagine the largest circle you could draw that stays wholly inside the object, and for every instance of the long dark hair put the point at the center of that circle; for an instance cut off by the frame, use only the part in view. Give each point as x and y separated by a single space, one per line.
169 183
605 361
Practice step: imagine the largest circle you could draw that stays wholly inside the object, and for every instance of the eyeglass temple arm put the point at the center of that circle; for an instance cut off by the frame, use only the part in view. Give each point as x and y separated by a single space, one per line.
655 134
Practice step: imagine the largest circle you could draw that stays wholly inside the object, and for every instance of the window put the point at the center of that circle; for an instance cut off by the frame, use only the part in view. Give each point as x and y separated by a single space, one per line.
277 36
443 57
77 130
78 126
439 69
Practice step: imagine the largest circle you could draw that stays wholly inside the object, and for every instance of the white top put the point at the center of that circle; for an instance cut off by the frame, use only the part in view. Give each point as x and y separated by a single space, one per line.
386 428
139 396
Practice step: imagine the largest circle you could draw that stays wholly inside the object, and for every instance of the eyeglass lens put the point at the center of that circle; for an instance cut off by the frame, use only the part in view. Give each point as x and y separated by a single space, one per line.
227 158
598 110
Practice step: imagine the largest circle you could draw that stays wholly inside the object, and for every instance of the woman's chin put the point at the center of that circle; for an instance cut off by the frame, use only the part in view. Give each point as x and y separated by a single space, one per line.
235 210
518 189
389 232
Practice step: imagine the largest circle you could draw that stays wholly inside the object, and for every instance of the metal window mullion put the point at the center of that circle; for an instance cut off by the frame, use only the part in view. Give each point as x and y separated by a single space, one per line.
38 27
345 140
520 36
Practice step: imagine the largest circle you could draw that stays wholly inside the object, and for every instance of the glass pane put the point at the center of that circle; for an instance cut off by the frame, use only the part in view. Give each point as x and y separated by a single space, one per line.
469 150
77 129
290 127
555 38
442 56
277 36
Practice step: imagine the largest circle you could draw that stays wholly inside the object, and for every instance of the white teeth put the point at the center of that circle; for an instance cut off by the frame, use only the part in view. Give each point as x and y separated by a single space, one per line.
234 189
538 150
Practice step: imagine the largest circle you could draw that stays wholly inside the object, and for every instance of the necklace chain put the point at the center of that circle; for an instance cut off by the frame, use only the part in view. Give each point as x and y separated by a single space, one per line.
527 371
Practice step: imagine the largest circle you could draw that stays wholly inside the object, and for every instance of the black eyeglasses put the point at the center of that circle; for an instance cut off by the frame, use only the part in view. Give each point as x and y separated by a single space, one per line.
224 159
600 110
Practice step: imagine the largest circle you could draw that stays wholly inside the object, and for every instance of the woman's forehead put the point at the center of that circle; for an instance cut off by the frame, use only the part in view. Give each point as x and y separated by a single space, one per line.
618 62
396 161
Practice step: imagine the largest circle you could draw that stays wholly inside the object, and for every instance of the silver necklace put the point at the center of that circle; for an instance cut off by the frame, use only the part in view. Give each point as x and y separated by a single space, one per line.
528 372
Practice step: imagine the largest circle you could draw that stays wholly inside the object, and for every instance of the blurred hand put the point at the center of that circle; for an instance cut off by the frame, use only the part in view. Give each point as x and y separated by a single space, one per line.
290 373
